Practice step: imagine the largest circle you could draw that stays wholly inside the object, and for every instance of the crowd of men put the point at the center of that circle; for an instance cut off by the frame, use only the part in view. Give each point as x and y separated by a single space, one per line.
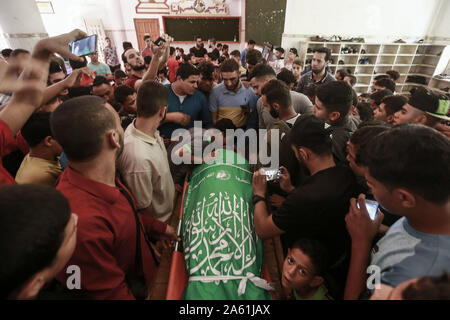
86 179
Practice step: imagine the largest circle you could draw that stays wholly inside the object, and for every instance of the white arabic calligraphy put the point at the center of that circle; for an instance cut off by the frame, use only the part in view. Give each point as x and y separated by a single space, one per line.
219 236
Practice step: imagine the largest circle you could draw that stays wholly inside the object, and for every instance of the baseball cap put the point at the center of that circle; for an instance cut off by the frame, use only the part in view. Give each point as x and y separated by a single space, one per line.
309 131
430 102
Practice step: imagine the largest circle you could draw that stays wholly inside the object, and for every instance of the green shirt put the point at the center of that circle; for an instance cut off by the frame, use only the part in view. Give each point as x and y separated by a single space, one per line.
101 69
321 294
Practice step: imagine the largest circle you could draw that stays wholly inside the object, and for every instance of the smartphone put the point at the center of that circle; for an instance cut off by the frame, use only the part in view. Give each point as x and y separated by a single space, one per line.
159 41
272 175
85 46
372 208
245 108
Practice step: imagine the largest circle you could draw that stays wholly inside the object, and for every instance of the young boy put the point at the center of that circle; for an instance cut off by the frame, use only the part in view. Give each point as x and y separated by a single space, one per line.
303 269
119 78
41 165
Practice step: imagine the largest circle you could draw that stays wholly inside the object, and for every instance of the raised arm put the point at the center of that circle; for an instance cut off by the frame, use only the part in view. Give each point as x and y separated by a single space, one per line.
28 94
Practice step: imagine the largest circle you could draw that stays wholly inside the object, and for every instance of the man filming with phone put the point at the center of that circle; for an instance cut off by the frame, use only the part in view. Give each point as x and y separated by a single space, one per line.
316 208
134 59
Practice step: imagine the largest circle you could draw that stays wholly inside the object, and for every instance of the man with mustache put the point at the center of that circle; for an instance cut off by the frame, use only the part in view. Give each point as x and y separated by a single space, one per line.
318 74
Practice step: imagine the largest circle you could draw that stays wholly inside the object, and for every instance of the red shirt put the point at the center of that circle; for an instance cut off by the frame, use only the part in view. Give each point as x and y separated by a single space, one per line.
131 81
6 142
172 65
146 52
106 237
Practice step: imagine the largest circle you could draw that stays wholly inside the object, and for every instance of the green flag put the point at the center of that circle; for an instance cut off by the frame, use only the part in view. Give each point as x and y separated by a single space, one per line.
223 255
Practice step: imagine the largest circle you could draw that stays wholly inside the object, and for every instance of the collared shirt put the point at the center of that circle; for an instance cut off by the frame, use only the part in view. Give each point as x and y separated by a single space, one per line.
196 106
307 80
111 56
222 99
38 170
106 237
144 167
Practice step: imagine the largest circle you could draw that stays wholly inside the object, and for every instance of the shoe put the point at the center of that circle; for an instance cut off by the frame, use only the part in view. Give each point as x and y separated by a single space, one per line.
309 50
419 41
341 62
363 51
317 39
399 41
331 61
335 39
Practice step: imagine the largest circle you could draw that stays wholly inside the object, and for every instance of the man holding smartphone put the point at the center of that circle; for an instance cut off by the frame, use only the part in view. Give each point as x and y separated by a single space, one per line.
316 208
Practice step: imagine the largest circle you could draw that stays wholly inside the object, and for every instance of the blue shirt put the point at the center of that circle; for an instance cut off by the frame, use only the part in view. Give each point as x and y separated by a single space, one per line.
405 253
243 53
222 97
196 106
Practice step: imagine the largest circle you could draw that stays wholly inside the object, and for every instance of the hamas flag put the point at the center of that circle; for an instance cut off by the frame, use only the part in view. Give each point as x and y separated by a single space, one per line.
223 255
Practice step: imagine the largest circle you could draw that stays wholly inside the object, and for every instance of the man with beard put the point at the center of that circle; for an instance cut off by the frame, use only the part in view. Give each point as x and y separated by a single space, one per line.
198 51
317 207
109 251
232 100
134 60
144 165
318 74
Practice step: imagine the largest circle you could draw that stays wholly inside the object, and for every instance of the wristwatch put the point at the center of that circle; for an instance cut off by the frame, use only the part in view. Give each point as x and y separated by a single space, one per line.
256 199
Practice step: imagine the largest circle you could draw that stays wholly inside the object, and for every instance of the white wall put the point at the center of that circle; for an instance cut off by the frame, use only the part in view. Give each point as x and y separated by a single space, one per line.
376 21
117 18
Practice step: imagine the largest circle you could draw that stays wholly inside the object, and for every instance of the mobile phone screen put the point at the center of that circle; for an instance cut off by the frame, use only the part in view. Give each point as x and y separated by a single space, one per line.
372 208
85 46
272 175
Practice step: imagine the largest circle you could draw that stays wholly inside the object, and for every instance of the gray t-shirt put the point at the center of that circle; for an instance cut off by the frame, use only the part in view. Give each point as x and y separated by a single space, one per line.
405 253
300 103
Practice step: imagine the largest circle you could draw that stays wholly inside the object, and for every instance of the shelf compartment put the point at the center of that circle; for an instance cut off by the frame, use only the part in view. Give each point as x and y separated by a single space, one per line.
389 49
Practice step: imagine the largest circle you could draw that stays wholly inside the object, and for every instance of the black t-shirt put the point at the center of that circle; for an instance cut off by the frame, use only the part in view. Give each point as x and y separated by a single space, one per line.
317 208
198 53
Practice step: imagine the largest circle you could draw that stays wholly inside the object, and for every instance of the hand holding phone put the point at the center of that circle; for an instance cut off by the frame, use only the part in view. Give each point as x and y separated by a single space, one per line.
372 208
272 174
85 46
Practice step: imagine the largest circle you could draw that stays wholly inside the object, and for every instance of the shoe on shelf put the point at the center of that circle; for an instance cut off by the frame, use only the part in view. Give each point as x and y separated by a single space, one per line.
419 41
317 39
399 41
341 62
335 39
363 51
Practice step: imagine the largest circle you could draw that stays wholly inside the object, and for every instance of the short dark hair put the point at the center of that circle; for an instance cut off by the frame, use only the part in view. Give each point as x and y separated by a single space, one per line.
229 65
99 80
79 125
277 91
251 42
365 111
253 57
394 75
386 83
151 97
429 288
280 49
262 71
342 72
413 157
381 76
16 52
185 70
122 92
309 132
126 45
171 51
198 37
393 103
354 98
378 96
225 46
33 219
352 78
324 50
335 96
37 128
286 76
361 139
317 253
206 70
7 52
119 73
235 53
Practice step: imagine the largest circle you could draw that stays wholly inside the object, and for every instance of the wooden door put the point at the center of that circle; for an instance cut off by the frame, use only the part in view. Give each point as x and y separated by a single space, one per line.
143 26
